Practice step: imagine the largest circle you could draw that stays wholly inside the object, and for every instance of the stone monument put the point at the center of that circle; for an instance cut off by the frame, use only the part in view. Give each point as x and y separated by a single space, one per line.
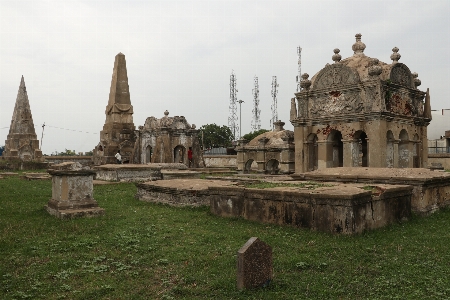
361 112
22 142
254 264
72 192
118 130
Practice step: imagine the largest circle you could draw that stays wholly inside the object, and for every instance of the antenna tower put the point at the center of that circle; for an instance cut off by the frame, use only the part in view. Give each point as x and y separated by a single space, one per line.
299 76
273 107
256 122
233 118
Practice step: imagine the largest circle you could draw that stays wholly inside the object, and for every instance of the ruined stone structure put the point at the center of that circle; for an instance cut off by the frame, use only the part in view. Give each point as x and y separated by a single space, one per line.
273 151
360 112
22 142
118 131
167 140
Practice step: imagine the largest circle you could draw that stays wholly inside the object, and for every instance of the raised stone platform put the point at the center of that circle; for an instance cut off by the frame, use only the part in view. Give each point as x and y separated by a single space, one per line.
128 172
431 189
8 174
35 176
334 207
179 174
179 191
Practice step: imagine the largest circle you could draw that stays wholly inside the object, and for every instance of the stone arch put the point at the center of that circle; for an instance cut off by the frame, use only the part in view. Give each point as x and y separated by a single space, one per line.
360 151
400 74
313 152
272 166
335 75
335 149
390 149
416 151
248 166
403 149
148 154
179 154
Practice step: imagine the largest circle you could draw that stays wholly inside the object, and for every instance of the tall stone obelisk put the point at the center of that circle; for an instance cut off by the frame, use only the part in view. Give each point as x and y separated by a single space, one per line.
22 142
118 131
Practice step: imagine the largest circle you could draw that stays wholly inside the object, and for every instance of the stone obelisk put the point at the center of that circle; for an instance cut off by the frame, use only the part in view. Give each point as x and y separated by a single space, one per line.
22 142
118 131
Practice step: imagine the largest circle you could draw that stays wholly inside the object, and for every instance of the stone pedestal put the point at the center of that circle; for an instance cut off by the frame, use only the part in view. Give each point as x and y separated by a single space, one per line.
72 192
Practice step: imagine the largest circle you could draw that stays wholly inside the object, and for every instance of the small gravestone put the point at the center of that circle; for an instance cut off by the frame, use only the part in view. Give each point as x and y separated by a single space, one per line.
254 264
72 192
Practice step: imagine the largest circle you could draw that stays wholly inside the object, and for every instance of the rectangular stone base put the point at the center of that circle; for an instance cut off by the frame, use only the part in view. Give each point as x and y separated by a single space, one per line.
75 213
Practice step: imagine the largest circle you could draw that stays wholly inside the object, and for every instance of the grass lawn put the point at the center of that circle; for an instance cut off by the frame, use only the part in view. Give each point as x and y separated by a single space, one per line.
140 250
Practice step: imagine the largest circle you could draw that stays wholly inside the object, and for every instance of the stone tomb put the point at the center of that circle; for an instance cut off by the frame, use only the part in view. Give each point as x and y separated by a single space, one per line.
128 172
431 189
72 192
254 264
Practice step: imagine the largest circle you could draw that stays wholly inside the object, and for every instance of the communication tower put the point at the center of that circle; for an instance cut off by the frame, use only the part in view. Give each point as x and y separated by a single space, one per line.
233 118
299 76
273 107
256 122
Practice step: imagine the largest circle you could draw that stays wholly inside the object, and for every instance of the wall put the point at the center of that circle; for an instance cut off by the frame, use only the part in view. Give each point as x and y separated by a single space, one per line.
218 161
439 160
83 160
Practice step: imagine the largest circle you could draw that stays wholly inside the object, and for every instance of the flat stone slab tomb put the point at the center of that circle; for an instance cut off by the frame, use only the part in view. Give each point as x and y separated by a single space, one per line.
128 172
431 189
334 207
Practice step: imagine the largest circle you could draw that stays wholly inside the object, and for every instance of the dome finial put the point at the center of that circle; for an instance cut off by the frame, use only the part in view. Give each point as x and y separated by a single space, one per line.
359 46
395 56
336 57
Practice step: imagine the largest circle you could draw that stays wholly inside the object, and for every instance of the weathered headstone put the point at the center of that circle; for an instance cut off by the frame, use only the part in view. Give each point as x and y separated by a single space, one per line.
254 264
72 192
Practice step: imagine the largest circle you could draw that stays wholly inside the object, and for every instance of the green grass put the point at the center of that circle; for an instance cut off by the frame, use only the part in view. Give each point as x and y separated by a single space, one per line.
141 250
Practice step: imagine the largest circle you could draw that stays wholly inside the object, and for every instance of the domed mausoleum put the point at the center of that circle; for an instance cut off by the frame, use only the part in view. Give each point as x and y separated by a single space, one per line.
360 112
272 152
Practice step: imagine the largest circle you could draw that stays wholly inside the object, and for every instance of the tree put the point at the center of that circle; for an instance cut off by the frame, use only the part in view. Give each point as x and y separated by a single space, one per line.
216 136
2 148
251 135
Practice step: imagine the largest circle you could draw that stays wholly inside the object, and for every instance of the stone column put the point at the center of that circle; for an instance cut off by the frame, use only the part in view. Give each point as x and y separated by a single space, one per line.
410 154
350 153
299 138
72 192
395 154
325 157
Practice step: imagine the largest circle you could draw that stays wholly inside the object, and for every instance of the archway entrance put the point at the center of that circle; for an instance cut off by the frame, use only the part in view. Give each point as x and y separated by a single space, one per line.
178 154
336 148
272 166
361 151
248 166
148 154
416 152
313 152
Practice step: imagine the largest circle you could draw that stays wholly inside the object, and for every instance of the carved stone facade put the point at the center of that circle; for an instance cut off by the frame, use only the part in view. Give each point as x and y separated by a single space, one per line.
168 140
22 142
272 151
118 131
360 112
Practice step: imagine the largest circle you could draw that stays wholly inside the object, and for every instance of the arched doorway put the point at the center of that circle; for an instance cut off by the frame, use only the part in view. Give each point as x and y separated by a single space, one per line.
313 151
148 154
416 151
272 166
248 166
403 151
178 154
390 149
360 150
336 149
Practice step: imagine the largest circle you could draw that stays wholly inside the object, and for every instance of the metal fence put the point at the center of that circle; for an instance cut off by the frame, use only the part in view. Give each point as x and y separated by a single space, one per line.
434 150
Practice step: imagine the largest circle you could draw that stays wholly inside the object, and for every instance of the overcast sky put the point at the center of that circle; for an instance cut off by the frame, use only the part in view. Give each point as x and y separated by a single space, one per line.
180 55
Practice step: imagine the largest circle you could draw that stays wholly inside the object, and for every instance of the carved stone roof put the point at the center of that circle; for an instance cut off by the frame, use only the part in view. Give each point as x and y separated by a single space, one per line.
176 122
360 68
275 138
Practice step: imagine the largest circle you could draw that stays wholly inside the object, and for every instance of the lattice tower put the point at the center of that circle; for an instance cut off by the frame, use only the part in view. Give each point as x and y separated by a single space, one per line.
256 122
299 76
274 107
233 118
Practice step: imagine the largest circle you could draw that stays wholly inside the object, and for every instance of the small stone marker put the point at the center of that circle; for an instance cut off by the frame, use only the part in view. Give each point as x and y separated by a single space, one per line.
254 264
72 192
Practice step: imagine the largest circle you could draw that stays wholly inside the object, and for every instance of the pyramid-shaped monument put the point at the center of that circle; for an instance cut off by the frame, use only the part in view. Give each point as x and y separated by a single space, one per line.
22 142
118 131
